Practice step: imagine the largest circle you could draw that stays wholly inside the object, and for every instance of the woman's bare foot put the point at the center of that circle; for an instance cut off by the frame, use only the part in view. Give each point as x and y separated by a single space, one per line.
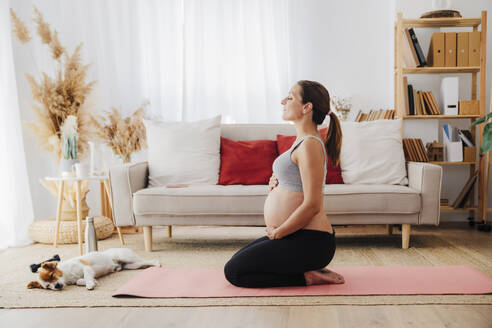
323 276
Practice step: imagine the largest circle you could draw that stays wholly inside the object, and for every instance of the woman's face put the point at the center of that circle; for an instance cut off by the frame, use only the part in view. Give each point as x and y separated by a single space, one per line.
292 104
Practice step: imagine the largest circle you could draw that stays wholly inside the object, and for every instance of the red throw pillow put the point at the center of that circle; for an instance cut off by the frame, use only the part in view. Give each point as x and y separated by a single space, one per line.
246 162
333 173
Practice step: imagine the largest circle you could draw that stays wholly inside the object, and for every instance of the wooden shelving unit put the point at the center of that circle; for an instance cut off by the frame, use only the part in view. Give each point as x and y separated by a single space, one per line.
440 70
435 117
478 77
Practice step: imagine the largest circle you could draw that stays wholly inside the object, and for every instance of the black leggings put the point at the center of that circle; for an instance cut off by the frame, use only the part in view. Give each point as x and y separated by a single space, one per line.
281 262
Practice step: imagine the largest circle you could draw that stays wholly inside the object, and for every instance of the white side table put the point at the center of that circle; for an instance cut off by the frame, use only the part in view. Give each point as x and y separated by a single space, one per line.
106 205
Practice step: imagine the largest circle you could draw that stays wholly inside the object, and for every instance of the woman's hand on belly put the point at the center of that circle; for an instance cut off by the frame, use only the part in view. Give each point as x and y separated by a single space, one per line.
272 233
273 183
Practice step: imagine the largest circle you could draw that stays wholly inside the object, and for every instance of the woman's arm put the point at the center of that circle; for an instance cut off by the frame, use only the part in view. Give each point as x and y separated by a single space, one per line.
311 166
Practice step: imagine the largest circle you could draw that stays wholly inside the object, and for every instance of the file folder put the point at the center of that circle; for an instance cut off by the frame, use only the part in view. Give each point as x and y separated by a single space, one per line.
435 57
474 48
450 47
462 49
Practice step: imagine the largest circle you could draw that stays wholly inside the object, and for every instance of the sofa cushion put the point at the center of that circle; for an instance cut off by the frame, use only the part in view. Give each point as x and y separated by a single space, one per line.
246 162
183 152
372 153
240 200
333 173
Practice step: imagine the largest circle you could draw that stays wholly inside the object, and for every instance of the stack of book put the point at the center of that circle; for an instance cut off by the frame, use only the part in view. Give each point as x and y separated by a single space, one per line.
373 115
419 102
414 150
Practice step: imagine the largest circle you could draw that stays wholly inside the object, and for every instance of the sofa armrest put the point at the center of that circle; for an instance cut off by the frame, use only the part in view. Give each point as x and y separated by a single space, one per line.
427 179
125 180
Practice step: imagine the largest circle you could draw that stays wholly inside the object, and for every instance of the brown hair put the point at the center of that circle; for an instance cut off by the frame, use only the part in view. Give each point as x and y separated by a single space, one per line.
316 94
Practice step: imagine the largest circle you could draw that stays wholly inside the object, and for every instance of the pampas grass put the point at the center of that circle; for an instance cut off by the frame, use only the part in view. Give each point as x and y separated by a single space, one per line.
123 135
60 95
19 28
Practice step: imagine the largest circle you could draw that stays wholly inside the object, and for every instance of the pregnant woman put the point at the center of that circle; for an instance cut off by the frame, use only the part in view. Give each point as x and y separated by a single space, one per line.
300 240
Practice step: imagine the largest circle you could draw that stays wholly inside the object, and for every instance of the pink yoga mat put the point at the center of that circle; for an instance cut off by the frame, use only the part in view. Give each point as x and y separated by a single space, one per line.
359 280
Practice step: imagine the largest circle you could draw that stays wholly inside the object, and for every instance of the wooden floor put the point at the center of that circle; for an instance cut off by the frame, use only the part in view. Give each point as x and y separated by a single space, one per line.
288 316
274 316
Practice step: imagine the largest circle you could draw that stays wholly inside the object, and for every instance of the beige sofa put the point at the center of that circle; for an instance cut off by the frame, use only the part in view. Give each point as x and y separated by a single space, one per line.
242 205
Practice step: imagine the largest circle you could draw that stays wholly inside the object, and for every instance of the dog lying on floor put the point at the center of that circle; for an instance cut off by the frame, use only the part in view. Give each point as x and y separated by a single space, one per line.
83 270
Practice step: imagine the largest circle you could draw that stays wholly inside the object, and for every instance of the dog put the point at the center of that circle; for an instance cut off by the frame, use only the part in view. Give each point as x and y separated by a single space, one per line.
83 270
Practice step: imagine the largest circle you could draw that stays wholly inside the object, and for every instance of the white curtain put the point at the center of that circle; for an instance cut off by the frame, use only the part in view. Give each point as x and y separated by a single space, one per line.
190 59
236 56
15 197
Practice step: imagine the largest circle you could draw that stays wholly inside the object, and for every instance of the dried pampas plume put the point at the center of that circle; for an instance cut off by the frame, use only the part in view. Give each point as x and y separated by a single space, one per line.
58 96
56 48
123 135
19 28
43 28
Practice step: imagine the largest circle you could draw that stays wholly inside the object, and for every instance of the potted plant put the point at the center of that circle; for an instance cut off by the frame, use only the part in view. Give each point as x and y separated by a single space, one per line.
69 145
485 147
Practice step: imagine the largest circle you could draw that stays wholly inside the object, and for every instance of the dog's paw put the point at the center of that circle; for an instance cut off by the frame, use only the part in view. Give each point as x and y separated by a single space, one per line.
90 285
155 263
118 268
81 282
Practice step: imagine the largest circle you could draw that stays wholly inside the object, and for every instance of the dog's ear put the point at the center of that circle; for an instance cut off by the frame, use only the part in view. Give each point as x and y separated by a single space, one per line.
34 284
49 265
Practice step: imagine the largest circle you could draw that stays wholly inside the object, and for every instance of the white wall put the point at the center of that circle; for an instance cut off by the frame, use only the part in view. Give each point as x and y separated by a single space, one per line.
346 45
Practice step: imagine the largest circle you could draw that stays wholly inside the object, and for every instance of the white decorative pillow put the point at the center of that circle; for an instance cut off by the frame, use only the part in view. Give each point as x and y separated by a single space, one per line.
183 152
372 153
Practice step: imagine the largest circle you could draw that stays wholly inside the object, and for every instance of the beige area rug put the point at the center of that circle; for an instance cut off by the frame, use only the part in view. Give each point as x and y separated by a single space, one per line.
211 247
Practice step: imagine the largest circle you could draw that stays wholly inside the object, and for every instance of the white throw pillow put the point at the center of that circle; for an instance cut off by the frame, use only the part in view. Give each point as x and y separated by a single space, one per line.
183 152
372 153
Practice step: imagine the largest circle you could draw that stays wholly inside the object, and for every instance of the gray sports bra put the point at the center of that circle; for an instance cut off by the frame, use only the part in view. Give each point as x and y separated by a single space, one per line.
287 172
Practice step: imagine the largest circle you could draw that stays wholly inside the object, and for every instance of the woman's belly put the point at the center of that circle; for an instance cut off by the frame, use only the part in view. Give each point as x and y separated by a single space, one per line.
281 203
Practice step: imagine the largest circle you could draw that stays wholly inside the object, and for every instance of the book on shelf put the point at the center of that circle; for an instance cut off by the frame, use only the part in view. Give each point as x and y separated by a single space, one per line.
418 102
373 115
406 95
466 137
411 101
416 46
409 55
465 192
414 150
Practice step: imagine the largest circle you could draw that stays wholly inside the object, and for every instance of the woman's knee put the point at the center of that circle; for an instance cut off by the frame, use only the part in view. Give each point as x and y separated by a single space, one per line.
231 272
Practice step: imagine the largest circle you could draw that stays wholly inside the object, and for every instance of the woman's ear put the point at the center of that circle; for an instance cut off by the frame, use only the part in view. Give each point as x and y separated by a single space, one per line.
308 106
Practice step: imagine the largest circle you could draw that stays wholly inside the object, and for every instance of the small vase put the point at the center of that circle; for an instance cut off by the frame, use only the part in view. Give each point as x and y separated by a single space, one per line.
66 166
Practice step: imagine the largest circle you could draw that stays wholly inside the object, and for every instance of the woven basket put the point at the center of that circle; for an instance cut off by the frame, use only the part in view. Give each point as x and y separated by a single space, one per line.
43 231
68 213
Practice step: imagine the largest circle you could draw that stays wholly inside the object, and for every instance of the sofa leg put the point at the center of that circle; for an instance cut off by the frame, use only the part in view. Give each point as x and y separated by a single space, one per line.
170 231
389 229
405 235
148 238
